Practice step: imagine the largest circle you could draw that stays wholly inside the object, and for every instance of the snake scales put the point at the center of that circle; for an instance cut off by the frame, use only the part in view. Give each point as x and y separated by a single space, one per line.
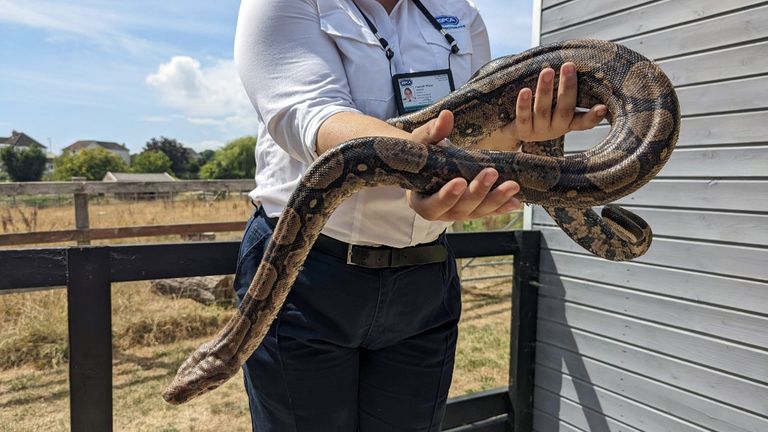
644 116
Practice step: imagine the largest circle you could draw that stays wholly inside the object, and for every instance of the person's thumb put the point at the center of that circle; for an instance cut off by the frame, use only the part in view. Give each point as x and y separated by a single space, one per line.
434 130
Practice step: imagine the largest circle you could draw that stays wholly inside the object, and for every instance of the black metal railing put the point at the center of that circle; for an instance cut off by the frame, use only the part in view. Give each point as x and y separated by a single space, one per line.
88 272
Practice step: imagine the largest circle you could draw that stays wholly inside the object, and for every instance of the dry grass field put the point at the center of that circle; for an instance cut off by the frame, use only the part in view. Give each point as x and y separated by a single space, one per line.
106 213
153 334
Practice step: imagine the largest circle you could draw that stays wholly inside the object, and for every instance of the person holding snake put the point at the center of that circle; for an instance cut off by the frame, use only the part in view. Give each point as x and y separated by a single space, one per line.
366 338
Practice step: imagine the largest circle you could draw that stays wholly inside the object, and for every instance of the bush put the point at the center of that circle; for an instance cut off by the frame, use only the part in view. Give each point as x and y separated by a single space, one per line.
183 163
151 161
23 164
92 164
233 161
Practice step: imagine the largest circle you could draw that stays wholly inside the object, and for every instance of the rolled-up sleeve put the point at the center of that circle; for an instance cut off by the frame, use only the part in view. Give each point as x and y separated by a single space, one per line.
291 70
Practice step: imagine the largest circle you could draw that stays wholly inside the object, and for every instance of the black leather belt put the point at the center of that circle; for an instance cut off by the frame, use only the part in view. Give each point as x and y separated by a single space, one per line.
374 256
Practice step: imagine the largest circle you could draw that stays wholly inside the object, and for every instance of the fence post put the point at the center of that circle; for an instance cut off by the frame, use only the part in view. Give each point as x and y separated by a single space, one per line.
82 222
523 330
90 339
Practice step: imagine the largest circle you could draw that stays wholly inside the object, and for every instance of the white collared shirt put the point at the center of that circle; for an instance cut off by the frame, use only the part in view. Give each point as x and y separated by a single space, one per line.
302 61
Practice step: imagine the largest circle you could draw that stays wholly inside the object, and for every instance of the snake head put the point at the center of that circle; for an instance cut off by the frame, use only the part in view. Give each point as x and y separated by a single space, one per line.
211 365
202 372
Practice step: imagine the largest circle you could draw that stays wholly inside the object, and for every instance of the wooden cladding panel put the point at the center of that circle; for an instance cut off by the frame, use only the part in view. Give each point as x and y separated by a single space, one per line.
672 340
714 290
651 17
723 259
736 326
711 130
686 375
696 224
732 358
677 402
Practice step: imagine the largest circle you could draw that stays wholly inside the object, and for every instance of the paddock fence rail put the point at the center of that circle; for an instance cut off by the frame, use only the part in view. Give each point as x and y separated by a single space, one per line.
82 191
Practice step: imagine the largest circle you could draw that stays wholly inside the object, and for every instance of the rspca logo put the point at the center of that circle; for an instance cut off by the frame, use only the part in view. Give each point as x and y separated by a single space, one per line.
449 21
406 83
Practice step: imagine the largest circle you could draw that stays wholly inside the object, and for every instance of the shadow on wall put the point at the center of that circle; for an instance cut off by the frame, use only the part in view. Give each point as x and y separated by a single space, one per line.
563 386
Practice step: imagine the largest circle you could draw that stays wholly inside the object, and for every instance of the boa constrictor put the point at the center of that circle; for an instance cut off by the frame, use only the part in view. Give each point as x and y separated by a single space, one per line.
644 115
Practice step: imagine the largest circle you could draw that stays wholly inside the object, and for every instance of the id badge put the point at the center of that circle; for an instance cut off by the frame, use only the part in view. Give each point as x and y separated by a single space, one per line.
414 91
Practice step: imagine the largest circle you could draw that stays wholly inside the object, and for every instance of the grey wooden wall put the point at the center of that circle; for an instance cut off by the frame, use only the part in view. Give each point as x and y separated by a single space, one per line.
678 339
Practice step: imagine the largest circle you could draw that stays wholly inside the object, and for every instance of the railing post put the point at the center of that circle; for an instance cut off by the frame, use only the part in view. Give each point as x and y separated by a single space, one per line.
82 222
523 330
90 339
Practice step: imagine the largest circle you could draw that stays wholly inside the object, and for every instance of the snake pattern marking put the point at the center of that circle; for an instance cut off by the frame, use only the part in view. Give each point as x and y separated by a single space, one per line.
644 114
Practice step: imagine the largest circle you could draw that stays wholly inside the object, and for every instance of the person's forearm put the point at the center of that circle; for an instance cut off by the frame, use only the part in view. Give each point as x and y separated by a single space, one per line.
348 125
345 126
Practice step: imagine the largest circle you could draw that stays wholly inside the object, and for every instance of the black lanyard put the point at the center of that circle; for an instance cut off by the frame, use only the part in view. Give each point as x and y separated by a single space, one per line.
385 45
437 26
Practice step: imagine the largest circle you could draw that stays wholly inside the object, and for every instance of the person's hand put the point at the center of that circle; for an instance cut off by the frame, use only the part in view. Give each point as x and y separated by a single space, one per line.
534 121
540 122
457 200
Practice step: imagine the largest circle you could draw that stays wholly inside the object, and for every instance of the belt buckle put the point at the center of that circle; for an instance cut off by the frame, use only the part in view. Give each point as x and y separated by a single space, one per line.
349 254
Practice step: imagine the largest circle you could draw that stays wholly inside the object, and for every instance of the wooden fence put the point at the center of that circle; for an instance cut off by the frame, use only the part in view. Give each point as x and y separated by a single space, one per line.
83 190
88 272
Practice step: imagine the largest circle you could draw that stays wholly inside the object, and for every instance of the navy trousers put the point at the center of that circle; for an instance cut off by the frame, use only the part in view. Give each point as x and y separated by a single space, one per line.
353 349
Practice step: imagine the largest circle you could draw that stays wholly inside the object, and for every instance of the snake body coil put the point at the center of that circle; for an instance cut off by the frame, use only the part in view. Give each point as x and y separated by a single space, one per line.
644 115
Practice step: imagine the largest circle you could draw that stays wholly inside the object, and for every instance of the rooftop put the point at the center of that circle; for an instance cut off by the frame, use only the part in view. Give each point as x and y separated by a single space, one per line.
137 177
109 145
20 139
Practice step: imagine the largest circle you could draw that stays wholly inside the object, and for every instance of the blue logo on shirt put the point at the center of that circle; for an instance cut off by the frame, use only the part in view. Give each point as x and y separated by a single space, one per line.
448 21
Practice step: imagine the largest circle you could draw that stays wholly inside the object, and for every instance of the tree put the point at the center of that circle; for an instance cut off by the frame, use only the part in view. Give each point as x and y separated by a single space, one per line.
23 164
206 156
182 162
234 160
152 161
92 164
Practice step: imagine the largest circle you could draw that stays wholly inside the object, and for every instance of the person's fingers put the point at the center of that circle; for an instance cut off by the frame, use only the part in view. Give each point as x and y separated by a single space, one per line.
513 204
497 200
523 123
566 98
542 103
473 196
458 201
433 207
589 119
435 130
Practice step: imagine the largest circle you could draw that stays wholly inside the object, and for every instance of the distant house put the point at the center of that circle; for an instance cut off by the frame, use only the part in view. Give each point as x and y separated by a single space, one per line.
118 149
20 140
140 177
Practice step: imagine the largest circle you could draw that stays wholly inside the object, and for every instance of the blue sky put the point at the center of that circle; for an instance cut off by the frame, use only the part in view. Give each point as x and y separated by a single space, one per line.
127 71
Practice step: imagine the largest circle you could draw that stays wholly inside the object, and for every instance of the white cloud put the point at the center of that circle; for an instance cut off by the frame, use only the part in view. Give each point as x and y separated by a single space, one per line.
109 24
207 145
95 23
207 96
